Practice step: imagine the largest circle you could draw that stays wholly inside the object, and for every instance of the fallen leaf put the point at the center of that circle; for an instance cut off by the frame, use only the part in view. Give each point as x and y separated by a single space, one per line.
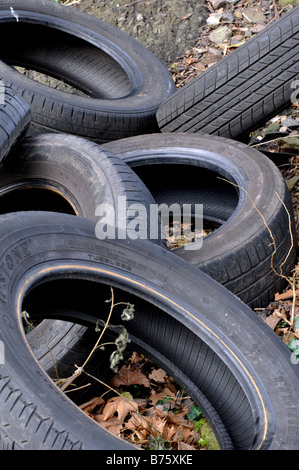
286 295
113 424
181 434
257 28
291 183
184 446
238 44
158 420
140 426
135 358
161 396
169 432
158 375
254 16
187 16
91 404
127 376
273 320
209 58
120 405
178 419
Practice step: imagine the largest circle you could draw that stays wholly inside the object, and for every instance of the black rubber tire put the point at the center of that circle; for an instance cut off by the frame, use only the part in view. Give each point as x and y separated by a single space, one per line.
14 119
239 253
65 173
243 90
118 74
192 325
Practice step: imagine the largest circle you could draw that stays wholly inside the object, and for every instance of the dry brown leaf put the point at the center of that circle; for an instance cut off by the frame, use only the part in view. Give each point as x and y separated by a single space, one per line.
135 358
184 446
158 375
140 426
286 295
137 421
91 404
113 424
127 376
171 386
257 28
120 405
181 434
273 320
179 419
169 432
160 396
158 420
187 16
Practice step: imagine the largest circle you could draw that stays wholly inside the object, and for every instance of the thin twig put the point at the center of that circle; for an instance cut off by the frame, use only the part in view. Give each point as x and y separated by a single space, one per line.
79 370
274 243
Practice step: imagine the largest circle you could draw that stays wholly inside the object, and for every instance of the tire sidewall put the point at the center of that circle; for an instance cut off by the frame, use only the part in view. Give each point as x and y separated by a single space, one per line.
174 279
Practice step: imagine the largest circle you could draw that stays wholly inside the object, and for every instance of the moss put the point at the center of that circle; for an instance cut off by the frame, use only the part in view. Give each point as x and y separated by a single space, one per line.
284 3
208 435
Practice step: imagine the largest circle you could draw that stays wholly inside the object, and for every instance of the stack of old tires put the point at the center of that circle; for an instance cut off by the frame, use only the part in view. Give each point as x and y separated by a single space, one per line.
130 136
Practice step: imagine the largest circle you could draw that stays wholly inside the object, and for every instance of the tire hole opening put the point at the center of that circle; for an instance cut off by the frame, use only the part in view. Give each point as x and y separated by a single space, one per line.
34 199
63 299
63 61
189 185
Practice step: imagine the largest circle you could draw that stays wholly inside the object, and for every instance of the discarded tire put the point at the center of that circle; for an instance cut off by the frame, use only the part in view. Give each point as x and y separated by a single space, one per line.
70 174
188 328
243 90
256 242
118 75
14 119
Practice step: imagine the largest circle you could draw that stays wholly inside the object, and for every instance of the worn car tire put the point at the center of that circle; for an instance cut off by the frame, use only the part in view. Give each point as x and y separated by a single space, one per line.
118 74
14 119
191 324
69 174
239 254
243 90
65 173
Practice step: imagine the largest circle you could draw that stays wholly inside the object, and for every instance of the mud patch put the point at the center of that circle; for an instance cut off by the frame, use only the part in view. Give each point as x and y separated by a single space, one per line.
166 27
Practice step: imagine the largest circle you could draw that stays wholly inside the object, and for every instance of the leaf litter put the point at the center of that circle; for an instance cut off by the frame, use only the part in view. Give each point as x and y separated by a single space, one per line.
229 25
151 410
141 403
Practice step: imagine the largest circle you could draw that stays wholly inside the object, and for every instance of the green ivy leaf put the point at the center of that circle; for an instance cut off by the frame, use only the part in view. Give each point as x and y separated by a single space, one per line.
194 414
293 345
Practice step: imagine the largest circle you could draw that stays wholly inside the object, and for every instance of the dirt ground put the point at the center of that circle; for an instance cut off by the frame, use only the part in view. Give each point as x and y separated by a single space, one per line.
166 27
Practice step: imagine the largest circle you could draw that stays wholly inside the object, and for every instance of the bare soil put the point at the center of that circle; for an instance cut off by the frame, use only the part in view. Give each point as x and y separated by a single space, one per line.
166 27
